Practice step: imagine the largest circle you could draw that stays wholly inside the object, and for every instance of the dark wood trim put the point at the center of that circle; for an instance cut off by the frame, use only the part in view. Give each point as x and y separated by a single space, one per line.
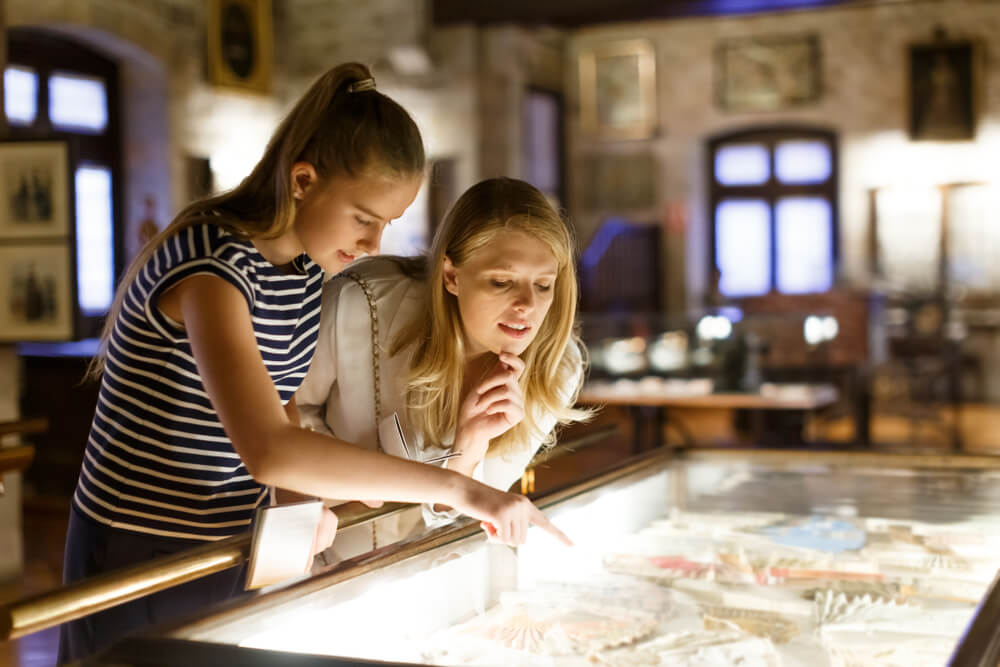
772 190
572 13
561 139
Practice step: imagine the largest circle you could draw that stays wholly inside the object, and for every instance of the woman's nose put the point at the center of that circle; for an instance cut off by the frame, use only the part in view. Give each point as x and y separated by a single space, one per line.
369 243
524 300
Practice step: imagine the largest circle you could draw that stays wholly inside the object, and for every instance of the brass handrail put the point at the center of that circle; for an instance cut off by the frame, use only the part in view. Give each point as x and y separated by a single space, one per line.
112 588
795 457
16 458
44 610
107 590
24 426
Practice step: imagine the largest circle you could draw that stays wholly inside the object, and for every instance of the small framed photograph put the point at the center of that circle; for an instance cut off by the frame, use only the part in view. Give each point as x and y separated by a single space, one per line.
36 292
34 182
767 73
240 44
942 91
618 90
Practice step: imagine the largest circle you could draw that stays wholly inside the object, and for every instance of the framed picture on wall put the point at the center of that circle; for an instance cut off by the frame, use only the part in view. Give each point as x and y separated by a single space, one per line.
34 183
36 292
767 73
618 89
240 44
942 91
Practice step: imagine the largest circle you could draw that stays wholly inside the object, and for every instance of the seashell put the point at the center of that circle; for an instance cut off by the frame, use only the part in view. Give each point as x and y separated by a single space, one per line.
547 631
876 589
691 649
758 623
837 607
659 568
838 615
871 652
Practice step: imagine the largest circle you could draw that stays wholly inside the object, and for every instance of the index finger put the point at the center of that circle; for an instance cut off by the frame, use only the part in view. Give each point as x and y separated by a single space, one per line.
543 522
515 362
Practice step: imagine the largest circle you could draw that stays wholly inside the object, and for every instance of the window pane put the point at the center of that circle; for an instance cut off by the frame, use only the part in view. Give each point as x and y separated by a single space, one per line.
743 246
908 223
94 245
77 103
20 90
541 141
805 244
742 164
803 161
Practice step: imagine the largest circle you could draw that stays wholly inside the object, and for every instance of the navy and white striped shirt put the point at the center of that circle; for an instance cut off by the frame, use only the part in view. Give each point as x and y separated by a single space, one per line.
158 460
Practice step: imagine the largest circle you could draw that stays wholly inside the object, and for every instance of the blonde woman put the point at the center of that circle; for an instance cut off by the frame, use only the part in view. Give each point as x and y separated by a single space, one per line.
477 354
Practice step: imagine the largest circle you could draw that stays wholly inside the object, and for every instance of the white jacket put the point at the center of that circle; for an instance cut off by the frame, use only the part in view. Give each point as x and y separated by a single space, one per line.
337 395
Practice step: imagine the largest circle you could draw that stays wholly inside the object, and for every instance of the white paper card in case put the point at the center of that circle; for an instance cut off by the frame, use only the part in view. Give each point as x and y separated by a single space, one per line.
281 546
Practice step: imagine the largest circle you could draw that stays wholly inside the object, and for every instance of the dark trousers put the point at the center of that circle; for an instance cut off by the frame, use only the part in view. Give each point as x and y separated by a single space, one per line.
93 548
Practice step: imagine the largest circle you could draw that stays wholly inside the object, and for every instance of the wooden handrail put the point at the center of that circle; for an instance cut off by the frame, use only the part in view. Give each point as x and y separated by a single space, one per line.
24 426
15 458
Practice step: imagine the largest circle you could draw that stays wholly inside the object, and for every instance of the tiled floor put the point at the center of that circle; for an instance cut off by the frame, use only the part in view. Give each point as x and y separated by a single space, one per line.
45 521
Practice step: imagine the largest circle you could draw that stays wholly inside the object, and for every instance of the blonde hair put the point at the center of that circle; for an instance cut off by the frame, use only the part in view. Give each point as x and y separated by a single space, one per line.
554 361
338 131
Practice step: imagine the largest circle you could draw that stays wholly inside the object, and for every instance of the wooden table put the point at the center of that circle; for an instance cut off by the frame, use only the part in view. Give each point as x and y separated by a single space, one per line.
805 398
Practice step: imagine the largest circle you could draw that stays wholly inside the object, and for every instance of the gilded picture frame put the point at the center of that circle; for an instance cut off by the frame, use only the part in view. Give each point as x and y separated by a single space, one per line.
942 91
618 90
767 73
240 44
36 292
34 182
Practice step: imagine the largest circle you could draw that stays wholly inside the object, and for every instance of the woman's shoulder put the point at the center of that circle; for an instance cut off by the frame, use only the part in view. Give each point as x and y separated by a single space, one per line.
387 267
388 280
207 234
380 274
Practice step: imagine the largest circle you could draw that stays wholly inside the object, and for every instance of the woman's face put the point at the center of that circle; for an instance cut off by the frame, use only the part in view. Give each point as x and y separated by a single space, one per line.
341 218
504 290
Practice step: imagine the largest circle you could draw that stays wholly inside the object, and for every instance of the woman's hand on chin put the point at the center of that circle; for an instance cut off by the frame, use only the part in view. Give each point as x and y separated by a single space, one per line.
488 411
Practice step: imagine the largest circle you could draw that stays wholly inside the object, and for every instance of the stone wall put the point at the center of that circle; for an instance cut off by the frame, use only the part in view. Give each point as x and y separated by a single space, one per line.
864 68
11 543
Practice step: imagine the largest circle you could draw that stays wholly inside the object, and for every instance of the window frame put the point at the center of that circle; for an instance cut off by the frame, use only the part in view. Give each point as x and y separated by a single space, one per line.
772 190
47 54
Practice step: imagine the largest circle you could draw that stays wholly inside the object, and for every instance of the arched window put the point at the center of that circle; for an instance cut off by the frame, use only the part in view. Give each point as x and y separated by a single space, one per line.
55 88
773 202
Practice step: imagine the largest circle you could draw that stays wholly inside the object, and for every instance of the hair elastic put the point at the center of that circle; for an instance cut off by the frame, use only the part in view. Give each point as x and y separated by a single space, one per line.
363 84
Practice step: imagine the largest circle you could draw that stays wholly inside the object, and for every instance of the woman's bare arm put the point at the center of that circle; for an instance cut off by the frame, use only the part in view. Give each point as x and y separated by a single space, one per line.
277 452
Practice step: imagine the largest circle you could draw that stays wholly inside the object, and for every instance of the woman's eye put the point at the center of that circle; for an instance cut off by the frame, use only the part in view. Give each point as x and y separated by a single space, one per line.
543 288
500 283
363 221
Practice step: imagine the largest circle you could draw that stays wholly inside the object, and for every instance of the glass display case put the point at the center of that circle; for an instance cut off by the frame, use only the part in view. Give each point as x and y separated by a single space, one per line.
752 558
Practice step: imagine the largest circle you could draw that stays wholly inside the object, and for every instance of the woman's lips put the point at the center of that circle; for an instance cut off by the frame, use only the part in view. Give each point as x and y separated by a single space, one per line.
344 257
514 332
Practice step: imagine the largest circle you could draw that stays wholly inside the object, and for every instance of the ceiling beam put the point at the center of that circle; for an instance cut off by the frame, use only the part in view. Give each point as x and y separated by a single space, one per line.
573 13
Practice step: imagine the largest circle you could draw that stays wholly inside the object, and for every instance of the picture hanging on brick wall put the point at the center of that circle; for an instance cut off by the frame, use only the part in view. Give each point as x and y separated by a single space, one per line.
36 292
942 91
33 184
239 44
618 89
767 73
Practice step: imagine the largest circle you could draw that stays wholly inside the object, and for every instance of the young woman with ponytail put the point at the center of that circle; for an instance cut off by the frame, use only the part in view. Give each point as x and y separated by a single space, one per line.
211 332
